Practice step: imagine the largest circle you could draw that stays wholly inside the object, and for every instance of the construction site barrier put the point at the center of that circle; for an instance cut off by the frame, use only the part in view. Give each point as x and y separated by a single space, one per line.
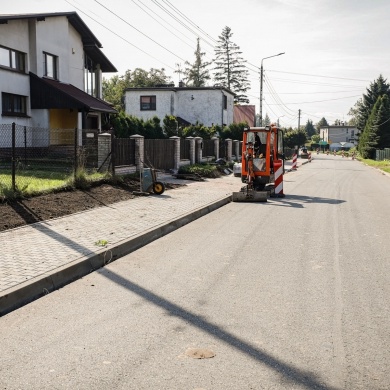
279 180
294 162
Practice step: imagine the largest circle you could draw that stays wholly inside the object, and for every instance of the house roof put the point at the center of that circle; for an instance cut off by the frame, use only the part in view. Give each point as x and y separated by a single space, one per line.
90 42
176 89
47 93
244 113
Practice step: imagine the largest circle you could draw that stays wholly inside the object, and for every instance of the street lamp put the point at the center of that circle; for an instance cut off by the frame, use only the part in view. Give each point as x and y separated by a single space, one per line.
261 86
277 122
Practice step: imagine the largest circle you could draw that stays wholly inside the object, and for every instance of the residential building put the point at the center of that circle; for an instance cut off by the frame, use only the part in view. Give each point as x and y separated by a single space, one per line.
51 67
205 105
339 134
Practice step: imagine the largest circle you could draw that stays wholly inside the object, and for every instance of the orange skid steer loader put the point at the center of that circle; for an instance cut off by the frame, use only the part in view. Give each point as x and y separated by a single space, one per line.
262 154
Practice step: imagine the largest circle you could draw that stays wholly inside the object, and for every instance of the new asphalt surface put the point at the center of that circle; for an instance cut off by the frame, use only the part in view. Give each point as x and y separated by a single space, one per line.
39 258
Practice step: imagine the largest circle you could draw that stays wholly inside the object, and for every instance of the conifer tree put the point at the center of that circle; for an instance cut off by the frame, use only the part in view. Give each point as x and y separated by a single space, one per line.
382 125
309 128
323 122
377 88
369 138
230 71
197 74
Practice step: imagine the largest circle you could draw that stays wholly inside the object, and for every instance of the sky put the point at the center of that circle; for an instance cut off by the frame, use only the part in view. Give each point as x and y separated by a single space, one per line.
333 49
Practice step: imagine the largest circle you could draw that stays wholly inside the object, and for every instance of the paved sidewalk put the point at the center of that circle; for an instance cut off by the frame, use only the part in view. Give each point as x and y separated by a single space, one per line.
40 258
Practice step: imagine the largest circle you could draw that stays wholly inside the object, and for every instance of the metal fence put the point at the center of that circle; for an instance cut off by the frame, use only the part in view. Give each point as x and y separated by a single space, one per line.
41 157
381 155
160 153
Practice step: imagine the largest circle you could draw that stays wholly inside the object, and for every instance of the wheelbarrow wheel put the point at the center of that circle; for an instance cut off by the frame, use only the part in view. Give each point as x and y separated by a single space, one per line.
158 187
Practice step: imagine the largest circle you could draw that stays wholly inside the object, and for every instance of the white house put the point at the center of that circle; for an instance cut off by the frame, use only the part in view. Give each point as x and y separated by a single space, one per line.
339 134
51 69
206 105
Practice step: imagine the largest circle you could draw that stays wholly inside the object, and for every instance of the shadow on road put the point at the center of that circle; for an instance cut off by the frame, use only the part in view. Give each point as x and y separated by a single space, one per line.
300 200
293 375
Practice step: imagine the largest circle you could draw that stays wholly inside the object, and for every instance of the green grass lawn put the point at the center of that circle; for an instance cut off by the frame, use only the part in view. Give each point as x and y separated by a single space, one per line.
382 165
31 182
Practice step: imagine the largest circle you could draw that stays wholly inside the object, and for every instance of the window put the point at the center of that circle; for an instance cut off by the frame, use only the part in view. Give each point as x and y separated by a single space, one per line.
14 105
50 65
12 59
225 102
148 103
90 80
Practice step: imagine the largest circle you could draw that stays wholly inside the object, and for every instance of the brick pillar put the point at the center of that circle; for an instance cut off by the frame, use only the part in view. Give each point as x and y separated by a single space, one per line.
192 149
236 145
104 149
216 147
176 156
198 149
139 151
229 149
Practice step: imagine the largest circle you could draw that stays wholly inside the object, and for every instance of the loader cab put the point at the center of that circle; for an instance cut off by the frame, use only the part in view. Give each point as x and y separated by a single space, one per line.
260 165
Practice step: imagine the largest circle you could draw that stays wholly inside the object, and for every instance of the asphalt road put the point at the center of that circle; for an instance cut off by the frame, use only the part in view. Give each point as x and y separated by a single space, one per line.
289 294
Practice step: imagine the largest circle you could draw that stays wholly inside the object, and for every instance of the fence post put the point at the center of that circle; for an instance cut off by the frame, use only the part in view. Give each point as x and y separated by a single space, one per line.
13 157
192 149
104 151
113 154
198 151
25 145
176 155
216 147
236 149
75 153
139 151
228 149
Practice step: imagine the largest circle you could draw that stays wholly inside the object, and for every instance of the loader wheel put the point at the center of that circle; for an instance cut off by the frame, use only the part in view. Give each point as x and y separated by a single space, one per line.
158 187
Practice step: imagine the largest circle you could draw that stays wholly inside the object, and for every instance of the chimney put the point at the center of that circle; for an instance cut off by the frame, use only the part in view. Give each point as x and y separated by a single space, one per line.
181 84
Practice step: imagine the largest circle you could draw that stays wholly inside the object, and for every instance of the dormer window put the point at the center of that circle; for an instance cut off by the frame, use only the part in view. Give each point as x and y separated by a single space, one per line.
51 64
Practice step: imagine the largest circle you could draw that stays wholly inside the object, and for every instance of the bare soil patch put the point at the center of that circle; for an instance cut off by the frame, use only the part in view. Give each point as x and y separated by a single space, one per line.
22 212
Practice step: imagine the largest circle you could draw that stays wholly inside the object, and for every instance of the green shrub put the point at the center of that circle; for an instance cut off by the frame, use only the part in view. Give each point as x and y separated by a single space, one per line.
203 170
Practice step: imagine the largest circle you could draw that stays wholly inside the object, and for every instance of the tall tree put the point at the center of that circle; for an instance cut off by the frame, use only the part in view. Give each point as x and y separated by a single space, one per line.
294 138
309 128
230 71
377 88
266 121
197 74
114 87
368 140
322 123
382 122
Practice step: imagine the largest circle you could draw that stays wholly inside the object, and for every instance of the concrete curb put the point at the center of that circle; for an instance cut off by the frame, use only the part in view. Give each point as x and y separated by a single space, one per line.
36 288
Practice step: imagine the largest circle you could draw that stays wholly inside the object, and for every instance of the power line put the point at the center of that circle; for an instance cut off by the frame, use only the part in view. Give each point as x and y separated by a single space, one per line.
131 44
314 83
189 20
328 100
316 75
139 6
123 20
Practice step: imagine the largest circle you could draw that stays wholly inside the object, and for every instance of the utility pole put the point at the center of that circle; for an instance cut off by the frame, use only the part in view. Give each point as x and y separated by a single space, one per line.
261 86
299 119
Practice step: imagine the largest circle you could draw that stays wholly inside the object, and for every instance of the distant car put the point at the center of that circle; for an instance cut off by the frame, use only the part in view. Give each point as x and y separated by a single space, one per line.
303 153
237 169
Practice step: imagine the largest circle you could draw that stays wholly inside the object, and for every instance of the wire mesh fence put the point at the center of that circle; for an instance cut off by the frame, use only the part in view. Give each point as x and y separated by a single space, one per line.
33 159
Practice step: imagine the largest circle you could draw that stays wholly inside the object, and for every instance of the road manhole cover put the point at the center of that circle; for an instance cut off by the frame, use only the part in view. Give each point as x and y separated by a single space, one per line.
200 353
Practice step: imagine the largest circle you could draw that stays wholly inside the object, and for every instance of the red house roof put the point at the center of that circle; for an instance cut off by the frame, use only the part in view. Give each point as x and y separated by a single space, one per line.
244 114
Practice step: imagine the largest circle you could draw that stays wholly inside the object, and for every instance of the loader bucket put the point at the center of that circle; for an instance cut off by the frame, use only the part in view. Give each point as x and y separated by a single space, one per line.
251 196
